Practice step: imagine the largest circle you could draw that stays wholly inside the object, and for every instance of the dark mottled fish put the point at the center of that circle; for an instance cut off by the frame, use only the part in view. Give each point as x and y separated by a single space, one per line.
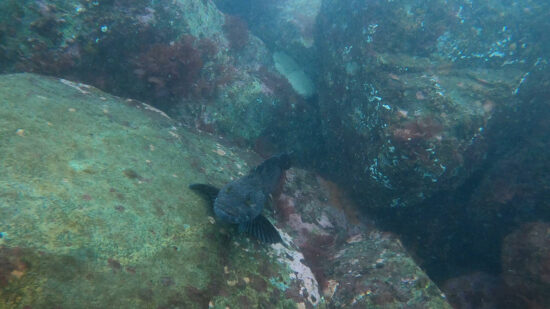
242 201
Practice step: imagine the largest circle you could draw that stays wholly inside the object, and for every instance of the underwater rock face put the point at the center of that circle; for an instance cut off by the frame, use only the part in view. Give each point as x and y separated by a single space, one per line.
402 121
95 210
516 180
526 263
474 291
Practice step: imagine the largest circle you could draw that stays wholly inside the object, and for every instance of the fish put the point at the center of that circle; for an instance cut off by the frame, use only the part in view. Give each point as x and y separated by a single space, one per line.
241 201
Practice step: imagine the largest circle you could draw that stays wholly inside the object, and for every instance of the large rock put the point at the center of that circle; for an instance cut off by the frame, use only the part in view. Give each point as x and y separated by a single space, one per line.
402 118
95 210
517 173
461 231
398 137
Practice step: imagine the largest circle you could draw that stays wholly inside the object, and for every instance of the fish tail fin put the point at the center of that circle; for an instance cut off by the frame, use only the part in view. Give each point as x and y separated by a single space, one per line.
209 191
261 229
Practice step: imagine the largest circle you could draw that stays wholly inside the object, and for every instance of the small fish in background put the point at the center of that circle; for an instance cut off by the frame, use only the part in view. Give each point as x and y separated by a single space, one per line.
242 200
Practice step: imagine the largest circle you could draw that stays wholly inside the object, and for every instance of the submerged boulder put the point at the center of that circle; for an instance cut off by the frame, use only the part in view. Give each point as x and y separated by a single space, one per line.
403 119
94 207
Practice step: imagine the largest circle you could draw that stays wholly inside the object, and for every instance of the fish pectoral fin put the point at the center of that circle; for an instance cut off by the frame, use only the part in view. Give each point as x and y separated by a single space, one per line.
261 229
208 191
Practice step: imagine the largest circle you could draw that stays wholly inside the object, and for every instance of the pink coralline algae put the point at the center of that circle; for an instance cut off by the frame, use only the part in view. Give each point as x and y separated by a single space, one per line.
420 129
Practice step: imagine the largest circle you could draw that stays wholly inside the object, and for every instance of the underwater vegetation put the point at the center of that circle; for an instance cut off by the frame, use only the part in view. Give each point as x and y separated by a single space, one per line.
176 69
171 69
236 32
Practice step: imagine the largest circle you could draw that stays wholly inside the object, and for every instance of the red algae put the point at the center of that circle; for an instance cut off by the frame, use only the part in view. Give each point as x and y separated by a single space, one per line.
236 31
316 252
420 129
172 69
11 265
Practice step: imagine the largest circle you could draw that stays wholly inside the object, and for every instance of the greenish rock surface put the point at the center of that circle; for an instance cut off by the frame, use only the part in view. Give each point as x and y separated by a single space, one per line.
95 210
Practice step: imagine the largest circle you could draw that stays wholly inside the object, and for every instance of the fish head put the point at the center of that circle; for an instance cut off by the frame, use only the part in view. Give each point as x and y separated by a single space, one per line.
284 161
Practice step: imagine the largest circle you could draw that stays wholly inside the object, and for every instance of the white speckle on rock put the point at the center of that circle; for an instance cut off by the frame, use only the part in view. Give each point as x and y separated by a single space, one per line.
77 86
325 222
20 132
156 110
301 272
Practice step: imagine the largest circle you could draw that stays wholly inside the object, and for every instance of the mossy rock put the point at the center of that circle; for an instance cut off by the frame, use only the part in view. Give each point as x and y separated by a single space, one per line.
95 211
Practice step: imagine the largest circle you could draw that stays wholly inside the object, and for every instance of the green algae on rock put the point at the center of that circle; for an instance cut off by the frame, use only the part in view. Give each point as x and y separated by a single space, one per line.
95 210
